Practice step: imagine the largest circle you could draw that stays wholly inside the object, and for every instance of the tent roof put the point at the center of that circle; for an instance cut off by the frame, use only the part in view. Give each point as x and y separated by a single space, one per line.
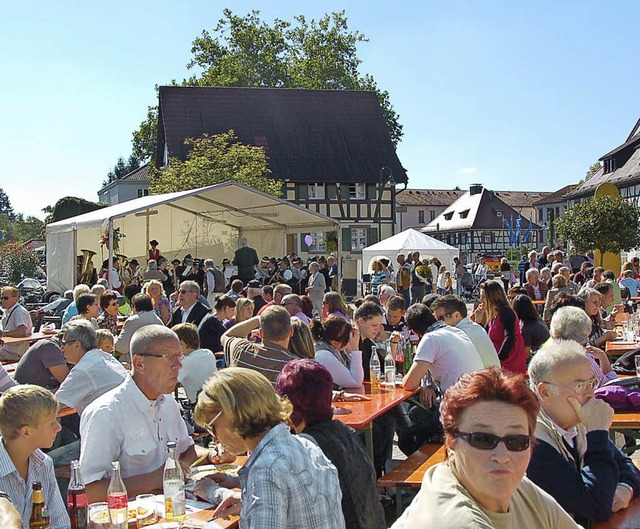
229 203
409 239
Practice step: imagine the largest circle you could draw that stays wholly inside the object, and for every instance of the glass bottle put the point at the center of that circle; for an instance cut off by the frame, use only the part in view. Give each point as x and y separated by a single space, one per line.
374 368
389 369
173 487
117 499
77 503
37 520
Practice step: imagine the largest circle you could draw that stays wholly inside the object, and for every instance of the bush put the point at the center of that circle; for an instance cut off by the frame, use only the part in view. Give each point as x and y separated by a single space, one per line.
19 262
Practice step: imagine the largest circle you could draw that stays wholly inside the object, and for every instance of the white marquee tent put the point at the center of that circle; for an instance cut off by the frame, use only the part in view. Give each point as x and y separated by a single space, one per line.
407 241
206 222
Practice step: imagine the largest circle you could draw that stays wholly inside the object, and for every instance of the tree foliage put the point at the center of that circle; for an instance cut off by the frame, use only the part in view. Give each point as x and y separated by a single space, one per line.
68 207
246 51
19 262
608 224
121 169
593 169
5 204
213 160
20 229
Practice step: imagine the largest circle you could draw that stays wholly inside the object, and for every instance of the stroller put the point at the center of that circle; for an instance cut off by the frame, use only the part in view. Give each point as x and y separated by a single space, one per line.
471 289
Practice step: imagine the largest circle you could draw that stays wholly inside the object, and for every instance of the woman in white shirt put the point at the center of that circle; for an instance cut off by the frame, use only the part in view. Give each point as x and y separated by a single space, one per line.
336 344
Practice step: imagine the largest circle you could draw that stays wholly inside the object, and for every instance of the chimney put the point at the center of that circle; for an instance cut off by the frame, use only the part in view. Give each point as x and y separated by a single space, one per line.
475 189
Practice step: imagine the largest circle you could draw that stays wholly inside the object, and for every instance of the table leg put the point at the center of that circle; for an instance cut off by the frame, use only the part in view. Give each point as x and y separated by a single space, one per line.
368 439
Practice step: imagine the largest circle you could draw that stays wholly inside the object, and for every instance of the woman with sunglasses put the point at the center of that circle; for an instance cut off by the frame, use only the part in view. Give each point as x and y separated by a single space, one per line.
287 481
337 349
574 460
333 305
489 418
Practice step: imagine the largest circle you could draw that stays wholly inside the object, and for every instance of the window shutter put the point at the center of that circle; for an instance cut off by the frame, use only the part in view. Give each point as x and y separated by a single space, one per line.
346 239
344 195
332 192
303 192
303 245
373 236
372 192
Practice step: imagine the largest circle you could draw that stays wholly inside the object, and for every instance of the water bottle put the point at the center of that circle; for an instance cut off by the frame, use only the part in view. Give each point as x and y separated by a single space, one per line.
389 369
173 487
374 368
117 499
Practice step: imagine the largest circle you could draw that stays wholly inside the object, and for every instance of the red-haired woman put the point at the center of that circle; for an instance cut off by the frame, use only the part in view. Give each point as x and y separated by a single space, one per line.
489 420
308 387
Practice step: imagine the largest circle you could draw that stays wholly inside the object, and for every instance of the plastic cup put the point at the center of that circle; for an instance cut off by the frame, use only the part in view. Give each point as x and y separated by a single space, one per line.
146 510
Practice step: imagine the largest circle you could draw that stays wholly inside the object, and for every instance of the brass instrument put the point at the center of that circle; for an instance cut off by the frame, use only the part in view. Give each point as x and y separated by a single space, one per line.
123 260
86 270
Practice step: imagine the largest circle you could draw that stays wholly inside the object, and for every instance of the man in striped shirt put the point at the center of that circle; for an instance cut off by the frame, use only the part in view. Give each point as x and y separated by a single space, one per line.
268 357
28 423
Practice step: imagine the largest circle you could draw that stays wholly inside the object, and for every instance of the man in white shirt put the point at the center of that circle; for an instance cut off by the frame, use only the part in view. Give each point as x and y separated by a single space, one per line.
453 311
134 422
143 315
15 323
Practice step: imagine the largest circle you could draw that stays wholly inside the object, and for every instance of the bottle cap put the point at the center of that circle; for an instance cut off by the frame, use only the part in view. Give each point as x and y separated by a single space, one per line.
171 444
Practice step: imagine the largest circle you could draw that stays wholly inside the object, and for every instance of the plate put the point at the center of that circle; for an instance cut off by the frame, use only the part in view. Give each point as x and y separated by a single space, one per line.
206 470
164 525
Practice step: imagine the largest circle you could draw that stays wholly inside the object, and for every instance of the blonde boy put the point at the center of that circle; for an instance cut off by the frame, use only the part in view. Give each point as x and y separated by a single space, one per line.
28 423
105 340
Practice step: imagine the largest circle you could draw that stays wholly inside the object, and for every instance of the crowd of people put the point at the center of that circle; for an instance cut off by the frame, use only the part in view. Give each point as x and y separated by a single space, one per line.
261 357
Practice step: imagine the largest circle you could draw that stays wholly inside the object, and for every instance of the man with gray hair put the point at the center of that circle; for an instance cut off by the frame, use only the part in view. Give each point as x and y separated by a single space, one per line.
573 459
268 357
133 422
293 304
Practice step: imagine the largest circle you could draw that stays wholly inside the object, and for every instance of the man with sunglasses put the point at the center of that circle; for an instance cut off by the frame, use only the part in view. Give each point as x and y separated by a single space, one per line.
573 459
15 323
133 422
188 308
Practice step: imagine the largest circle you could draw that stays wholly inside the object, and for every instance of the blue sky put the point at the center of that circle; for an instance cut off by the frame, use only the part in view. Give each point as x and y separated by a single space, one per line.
514 95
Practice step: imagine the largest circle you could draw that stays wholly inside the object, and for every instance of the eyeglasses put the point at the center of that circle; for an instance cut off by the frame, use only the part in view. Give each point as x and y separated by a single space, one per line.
488 441
186 292
63 342
209 426
580 387
179 357
445 316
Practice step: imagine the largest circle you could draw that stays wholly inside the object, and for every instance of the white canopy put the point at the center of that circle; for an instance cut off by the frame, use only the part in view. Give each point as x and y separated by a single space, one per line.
407 241
206 222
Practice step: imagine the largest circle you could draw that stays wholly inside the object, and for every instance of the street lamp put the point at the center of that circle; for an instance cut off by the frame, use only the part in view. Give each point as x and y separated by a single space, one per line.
386 178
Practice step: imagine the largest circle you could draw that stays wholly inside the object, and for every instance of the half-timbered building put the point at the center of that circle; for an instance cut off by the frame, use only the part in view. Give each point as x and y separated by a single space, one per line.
330 149
474 223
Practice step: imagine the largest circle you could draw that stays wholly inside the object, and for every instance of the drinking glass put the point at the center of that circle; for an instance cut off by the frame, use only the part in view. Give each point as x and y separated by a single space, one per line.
637 360
99 516
146 510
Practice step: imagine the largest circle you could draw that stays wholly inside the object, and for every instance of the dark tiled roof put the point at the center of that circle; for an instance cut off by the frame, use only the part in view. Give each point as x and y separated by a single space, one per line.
142 173
309 135
444 197
556 196
428 197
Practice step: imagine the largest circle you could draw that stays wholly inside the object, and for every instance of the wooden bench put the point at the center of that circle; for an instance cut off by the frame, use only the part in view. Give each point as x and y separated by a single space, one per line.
410 472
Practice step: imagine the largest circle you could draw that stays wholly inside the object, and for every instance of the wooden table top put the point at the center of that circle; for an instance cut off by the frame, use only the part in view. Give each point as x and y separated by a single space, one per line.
619 347
626 420
33 337
361 413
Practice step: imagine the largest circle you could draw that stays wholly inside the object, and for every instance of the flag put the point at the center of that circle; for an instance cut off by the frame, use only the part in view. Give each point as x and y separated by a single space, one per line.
525 237
510 228
517 236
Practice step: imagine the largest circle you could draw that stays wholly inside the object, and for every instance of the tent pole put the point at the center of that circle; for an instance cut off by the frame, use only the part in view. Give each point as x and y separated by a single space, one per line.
109 278
339 258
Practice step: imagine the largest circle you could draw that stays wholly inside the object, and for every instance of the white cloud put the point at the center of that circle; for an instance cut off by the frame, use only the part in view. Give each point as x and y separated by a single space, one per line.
469 170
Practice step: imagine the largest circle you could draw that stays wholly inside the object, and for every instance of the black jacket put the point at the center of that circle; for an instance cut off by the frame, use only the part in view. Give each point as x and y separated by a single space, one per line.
198 312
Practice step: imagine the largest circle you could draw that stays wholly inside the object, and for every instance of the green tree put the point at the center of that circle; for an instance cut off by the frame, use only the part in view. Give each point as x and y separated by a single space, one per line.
246 51
213 160
608 224
19 261
20 229
121 169
68 207
5 204
593 169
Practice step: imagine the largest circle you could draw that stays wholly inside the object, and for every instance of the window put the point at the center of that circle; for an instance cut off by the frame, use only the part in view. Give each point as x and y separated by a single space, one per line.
448 216
316 192
358 239
432 214
319 244
357 191
143 193
421 216
464 214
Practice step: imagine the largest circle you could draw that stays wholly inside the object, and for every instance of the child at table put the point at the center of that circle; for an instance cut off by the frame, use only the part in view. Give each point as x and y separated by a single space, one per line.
28 423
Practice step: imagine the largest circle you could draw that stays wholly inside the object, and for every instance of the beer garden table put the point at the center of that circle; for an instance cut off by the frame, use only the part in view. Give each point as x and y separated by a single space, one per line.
33 337
360 414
